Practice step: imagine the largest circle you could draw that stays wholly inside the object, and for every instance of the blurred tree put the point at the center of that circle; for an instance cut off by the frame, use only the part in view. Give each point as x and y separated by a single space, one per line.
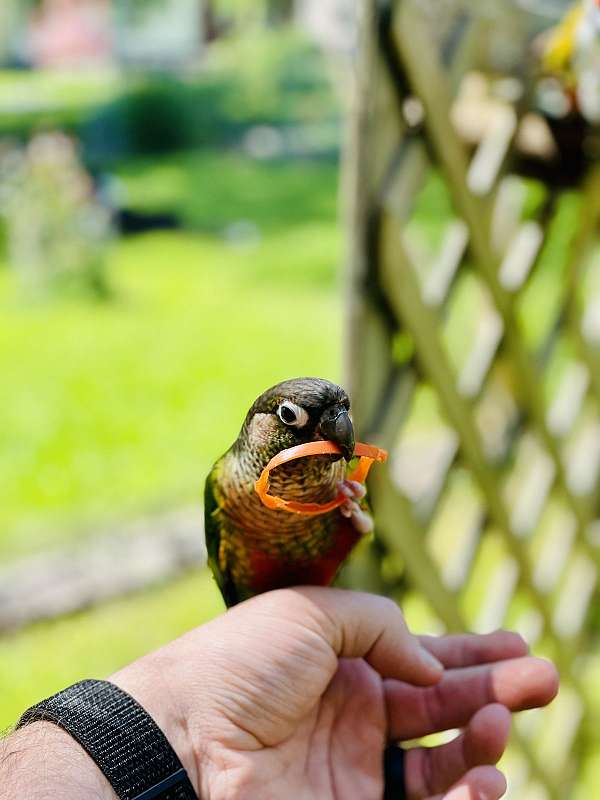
57 230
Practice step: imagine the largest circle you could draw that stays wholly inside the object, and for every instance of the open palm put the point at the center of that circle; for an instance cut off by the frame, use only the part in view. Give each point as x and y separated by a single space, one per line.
296 693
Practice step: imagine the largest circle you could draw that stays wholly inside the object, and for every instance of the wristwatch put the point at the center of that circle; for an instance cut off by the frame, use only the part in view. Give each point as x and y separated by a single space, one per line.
120 736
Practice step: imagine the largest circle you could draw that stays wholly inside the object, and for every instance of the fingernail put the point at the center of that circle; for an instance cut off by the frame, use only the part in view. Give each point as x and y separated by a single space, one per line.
363 522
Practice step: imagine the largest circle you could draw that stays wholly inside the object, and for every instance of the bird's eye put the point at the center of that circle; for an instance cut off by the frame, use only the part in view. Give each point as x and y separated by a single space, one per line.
291 414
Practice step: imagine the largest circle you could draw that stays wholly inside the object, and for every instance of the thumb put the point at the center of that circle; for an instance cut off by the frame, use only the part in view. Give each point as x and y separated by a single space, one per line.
357 625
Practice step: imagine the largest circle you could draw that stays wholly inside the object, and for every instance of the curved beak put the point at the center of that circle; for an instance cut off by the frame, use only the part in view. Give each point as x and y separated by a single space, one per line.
336 426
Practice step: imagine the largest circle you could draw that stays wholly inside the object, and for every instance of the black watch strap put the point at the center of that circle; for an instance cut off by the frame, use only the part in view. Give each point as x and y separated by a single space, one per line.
393 772
121 737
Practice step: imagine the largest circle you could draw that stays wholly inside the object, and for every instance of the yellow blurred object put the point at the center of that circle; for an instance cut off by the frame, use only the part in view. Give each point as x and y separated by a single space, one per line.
560 47
571 55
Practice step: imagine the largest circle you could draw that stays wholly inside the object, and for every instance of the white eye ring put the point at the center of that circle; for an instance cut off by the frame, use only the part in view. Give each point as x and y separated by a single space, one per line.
292 415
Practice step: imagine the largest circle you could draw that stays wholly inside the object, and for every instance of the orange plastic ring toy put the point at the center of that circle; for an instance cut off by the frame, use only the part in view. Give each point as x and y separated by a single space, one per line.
368 455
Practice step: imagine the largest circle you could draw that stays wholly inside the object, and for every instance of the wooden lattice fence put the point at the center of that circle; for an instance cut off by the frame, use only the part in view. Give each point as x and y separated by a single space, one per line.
474 353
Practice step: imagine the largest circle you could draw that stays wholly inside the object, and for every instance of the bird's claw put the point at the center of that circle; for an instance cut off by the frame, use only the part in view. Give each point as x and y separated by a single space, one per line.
349 508
352 489
361 519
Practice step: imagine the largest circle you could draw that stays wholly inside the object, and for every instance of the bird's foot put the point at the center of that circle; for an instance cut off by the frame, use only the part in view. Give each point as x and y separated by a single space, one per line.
361 519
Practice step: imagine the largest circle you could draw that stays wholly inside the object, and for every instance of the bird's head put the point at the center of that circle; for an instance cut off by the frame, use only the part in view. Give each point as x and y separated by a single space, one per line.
298 411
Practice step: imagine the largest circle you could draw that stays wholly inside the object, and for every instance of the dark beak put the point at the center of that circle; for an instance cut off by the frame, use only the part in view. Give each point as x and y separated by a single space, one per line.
336 426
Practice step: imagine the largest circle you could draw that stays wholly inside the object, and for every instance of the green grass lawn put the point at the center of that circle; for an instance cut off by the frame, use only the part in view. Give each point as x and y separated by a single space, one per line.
37 100
210 190
21 90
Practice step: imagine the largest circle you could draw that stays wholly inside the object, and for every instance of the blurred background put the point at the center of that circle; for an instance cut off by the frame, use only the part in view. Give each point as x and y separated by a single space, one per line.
169 247
171 237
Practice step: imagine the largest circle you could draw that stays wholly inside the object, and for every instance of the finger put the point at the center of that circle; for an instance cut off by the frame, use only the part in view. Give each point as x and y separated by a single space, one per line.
349 508
359 490
363 523
518 684
433 769
345 489
465 650
481 783
352 489
365 626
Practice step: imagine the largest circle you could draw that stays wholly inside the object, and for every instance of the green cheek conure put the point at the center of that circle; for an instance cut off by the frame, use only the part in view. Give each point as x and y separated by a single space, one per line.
253 548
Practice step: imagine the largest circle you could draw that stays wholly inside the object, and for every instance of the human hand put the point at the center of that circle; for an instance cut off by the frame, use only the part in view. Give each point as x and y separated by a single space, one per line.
295 693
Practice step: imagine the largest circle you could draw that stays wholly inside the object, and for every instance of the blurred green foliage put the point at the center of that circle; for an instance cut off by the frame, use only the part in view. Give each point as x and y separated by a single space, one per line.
261 79
274 78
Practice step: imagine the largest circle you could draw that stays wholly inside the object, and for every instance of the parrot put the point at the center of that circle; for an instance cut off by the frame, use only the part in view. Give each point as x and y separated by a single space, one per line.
251 548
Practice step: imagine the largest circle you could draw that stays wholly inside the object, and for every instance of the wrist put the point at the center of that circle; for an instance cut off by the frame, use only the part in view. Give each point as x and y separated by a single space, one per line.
180 692
118 734
152 683
42 760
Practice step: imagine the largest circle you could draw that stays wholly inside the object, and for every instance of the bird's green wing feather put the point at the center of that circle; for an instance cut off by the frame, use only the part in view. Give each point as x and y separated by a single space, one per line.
213 530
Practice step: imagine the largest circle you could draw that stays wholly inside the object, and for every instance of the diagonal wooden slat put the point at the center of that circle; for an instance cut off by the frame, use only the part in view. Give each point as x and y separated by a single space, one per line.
402 289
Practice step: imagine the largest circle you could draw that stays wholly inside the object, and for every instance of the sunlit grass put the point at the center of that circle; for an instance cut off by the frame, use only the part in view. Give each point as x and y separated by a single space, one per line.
37 99
22 91
210 190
